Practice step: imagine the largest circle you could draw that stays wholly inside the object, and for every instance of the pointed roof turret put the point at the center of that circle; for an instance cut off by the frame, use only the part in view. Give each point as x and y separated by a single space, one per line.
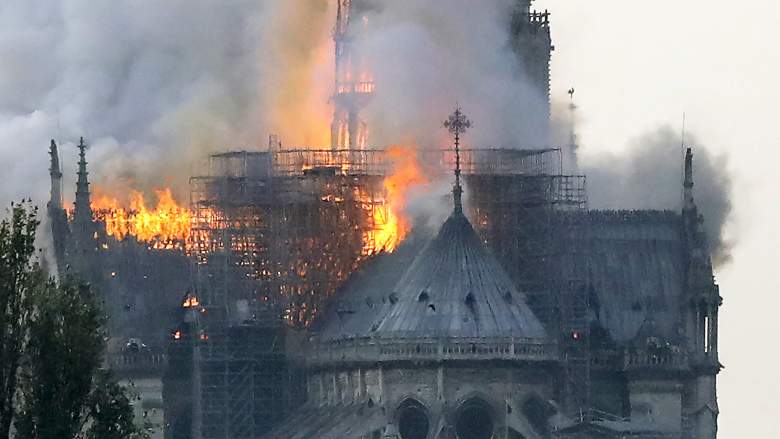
55 200
455 287
82 206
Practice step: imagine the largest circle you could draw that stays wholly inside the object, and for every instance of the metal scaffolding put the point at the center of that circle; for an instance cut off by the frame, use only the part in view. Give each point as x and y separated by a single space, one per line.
274 234
536 227
282 230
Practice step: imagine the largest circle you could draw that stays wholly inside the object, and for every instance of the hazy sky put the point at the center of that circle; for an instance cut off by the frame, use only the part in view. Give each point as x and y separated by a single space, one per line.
637 65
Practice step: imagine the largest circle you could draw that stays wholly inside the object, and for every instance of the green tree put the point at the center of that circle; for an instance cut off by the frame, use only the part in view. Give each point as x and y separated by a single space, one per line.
52 343
18 277
110 410
63 353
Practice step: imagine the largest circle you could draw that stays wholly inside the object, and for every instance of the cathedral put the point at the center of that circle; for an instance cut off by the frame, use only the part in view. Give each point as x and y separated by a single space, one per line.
445 345
523 314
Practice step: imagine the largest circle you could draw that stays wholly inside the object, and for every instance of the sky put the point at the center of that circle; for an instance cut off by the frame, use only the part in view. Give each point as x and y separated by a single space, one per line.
637 65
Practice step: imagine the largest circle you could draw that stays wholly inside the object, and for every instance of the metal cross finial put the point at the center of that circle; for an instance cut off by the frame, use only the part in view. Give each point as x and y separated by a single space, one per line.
82 145
457 124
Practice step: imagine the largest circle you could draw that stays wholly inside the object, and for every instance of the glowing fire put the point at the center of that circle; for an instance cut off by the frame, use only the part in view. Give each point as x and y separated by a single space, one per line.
167 225
391 223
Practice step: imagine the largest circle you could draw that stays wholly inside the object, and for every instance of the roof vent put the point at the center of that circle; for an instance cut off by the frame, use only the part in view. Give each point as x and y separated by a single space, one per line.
470 300
508 296
393 298
423 297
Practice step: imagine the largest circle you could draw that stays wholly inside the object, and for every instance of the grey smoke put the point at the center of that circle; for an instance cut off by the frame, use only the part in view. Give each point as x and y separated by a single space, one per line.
155 87
649 176
152 85
426 56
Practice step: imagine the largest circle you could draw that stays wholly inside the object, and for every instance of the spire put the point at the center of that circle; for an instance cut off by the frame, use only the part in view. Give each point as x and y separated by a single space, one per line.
572 152
688 203
457 124
82 206
55 201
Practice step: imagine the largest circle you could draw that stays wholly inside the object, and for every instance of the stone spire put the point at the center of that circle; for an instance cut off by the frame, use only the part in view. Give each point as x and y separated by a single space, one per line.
58 218
701 313
82 207
55 200
457 124
688 203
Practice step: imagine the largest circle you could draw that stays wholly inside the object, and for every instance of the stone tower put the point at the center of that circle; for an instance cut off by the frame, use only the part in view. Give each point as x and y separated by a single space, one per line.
55 211
701 317
83 248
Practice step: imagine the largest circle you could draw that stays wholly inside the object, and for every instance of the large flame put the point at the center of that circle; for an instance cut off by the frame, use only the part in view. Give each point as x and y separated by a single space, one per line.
391 222
167 225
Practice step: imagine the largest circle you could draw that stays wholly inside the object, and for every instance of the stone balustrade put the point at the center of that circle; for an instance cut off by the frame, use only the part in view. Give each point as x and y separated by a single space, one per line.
655 358
372 350
137 362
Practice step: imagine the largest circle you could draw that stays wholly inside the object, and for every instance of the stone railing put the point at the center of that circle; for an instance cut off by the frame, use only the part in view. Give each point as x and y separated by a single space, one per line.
372 350
618 425
628 359
606 358
137 362
657 358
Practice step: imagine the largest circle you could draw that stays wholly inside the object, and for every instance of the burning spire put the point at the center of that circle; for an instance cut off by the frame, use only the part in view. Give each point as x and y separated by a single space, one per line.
354 81
457 124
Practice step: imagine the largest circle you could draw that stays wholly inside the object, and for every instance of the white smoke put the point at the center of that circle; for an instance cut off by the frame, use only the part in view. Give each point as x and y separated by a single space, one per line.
426 55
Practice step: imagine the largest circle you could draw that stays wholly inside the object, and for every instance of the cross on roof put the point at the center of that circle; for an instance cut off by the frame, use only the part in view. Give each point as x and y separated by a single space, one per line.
457 124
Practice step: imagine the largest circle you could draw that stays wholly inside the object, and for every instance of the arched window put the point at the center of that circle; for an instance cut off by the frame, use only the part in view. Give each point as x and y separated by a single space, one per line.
413 422
474 420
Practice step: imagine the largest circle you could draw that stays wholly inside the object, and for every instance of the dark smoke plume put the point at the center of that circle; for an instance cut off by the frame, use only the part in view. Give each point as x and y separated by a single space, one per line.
649 176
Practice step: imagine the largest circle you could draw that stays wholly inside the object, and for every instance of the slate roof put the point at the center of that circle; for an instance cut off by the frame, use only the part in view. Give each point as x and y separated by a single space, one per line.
454 288
637 271
343 421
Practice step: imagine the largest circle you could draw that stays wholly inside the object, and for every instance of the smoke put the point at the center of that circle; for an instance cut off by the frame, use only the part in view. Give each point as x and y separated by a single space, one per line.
649 176
426 56
298 72
152 87
155 89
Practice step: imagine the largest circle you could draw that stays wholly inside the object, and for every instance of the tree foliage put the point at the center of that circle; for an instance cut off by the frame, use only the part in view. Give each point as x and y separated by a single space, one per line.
18 276
64 350
52 343
110 411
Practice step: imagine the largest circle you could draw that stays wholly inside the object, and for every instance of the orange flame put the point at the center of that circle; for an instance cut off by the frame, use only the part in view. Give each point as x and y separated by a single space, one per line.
391 223
165 226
